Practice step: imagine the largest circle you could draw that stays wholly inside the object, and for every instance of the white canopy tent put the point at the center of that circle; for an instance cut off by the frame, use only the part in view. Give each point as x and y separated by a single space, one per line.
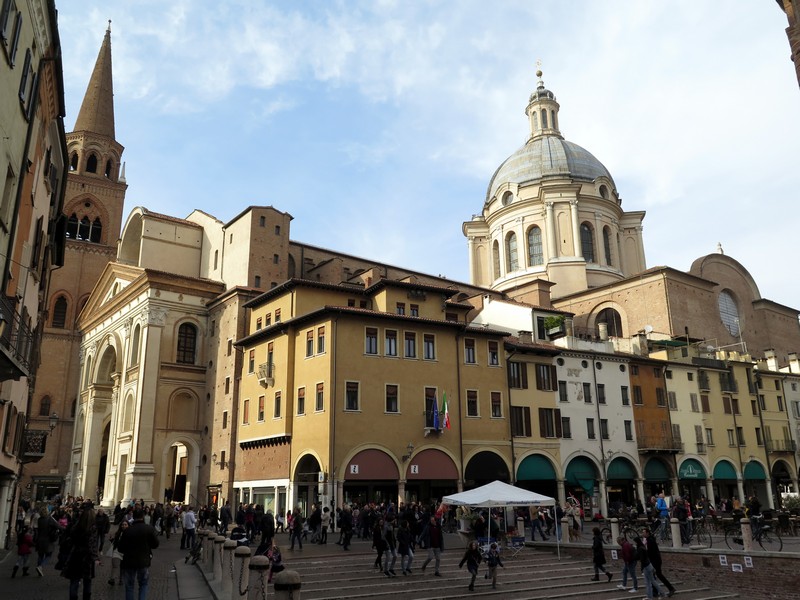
499 494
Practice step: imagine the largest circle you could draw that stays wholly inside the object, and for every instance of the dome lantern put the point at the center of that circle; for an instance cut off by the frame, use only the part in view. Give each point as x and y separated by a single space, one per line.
542 111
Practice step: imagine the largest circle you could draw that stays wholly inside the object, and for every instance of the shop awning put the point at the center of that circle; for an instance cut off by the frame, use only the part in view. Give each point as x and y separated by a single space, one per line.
691 469
754 470
724 470
655 470
581 473
537 468
621 468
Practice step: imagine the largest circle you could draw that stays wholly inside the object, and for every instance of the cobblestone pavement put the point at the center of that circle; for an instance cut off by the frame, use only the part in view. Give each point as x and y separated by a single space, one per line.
54 587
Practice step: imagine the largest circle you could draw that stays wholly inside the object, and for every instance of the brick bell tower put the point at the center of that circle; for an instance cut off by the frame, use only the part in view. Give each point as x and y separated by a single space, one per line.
93 205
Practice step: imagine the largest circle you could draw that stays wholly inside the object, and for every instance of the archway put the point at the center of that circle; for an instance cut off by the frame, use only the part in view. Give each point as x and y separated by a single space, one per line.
484 468
536 473
177 469
782 481
620 485
581 477
306 475
371 475
95 443
658 478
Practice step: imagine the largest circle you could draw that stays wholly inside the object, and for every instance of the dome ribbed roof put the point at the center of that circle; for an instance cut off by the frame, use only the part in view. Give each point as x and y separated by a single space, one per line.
546 156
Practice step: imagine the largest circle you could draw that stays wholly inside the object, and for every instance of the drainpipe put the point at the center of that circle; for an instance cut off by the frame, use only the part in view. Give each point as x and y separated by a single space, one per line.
461 470
510 429
601 482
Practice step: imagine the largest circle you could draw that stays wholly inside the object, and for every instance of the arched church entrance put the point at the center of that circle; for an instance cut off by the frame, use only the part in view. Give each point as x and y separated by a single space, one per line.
97 429
177 475
101 474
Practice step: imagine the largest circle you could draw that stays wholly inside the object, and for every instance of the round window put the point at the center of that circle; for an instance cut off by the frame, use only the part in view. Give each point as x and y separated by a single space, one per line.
598 365
584 364
560 362
622 368
507 198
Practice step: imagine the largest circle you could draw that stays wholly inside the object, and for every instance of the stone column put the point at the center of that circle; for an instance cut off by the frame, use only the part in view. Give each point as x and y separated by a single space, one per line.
576 229
566 527
676 489
614 531
401 492
640 490
640 248
90 451
561 492
600 247
770 497
747 534
710 491
675 530
740 489
601 484
460 486
551 236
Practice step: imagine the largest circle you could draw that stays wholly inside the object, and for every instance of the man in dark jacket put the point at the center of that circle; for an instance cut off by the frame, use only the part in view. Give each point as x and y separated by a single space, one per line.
136 545
103 524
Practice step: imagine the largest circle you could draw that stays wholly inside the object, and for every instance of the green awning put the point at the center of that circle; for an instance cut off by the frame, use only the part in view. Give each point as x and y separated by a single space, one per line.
724 470
655 470
621 468
691 469
754 470
536 467
581 473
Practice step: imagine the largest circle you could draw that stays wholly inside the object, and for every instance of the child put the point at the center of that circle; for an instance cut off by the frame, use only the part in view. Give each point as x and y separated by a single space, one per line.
492 562
275 562
473 558
24 549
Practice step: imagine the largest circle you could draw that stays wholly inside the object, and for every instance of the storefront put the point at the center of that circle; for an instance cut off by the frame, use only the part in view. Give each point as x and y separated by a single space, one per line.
371 476
537 474
430 475
755 483
657 478
621 483
581 483
725 481
692 480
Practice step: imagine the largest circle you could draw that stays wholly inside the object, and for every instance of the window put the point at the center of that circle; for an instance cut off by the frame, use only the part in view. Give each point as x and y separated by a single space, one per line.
429 346
676 433
546 378
91 162
320 340
587 392
625 398
187 340
270 364
414 310
550 422
310 343
451 317
601 393
728 312
660 399
518 375
44 407
704 403
391 399
735 406
277 229
251 361
277 315
535 255
587 242
469 351
740 436
319 406
262 221
780 403
731 439
628 430
371 341
690 376
693 402
257 281
754 406
520 421
276 412
590 429
224 419
410 344
401 308
60 313
246 411
494 356
607 244
762 402
512 261
259 325
390 343
496 259
759 437
667 374
268 320
497 407
562 391
227 385
430 401
566 428
709 437
351 400
260 409
301 401
275 259
672 400
604 429
472 403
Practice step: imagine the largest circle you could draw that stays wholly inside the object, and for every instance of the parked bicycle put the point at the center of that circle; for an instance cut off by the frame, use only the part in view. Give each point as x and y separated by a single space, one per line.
763 533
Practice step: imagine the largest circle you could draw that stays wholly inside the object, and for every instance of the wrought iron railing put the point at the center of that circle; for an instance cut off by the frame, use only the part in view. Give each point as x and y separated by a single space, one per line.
15 335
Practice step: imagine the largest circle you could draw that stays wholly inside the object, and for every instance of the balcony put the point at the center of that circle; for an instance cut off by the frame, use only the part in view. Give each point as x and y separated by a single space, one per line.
659 443
781 445
34 444
16 342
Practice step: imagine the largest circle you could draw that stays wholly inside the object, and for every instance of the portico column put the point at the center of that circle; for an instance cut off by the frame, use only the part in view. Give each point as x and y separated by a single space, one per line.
401 491
640 491
561 492
550 231
576 230
770 497
460 486
601 484
339 492
676 489
740 489
710 491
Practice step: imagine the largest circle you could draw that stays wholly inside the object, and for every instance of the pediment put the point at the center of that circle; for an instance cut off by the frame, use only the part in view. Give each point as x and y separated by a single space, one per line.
116 277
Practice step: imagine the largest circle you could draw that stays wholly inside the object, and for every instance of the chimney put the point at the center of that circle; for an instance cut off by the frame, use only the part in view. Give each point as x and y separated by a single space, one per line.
772 360
525 337
602 330
794 363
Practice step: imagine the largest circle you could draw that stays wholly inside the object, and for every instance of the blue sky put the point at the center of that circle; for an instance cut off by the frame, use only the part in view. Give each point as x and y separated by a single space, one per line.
378 124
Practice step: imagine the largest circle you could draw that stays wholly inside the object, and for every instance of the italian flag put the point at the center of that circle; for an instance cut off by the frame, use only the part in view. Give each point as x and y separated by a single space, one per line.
445 412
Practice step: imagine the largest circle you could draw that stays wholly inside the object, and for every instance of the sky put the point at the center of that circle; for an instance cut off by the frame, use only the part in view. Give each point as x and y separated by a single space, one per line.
378 124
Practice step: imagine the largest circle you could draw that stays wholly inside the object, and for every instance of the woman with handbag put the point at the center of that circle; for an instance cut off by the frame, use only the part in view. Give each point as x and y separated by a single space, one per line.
82 556
116 556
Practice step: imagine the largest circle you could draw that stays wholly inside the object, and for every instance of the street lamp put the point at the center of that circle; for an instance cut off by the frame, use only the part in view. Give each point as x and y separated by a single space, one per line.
53 420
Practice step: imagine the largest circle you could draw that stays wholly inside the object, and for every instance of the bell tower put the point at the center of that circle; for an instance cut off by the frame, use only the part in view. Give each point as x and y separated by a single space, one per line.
93 205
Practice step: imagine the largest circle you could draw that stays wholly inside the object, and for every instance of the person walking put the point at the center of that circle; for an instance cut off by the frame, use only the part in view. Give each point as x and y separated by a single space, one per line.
116 555
48 532
80 548
103 524
651 586
189 525
347 527
24 549
433 539
598 556
297 529
654 554
492 562
390 548
169 519
628 556
536 524
225 518
405 540
473 558
325 523
136 545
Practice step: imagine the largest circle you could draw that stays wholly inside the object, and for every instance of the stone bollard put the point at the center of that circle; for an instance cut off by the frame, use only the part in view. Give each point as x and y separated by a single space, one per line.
227 568
287 585
241 569
614 531
216 560
675 530
747 534
259 572
566 526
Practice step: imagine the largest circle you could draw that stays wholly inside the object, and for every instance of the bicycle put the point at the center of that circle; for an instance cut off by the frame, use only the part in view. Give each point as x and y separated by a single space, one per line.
768 538
701 533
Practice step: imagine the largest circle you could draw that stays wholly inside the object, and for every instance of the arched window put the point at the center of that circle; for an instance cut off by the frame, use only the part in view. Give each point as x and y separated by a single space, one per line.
535 121
607 244
535 255
512 262
88 373
73 162
553 119
44 407
187 342
96 231
496 259
612 319
109 169
60 313
135 345
72 226
587 243
84 228
91 164
544 118
216 259
604 192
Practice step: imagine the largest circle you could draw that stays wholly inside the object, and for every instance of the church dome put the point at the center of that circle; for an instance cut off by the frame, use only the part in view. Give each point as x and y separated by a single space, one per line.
547 156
